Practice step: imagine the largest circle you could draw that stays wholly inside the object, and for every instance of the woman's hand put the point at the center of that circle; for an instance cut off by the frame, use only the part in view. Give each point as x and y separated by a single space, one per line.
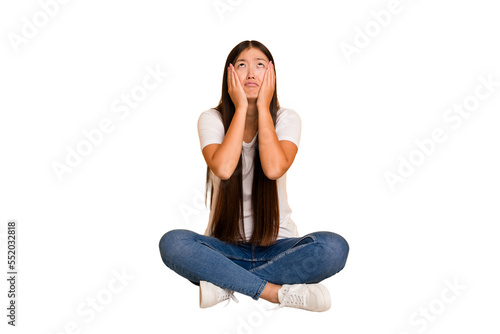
235 89
267 87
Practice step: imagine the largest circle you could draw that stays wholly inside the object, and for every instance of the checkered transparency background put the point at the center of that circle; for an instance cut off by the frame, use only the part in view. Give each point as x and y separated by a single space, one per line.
399 154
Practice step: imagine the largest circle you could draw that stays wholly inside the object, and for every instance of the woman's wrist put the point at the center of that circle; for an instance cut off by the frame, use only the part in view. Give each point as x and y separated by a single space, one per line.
241 109
261 106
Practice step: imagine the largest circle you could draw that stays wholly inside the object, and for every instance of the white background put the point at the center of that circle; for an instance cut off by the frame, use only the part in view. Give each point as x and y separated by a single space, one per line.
146 176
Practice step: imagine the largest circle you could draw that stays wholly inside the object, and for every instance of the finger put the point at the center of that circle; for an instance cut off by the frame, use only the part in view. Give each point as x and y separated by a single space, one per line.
237 81
234 77
265 78
269 77
272 74
263 83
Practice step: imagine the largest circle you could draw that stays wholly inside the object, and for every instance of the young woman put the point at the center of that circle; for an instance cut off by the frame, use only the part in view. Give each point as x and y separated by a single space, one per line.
251 244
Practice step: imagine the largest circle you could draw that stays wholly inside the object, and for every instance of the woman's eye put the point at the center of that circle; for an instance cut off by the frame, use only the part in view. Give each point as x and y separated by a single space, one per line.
238 65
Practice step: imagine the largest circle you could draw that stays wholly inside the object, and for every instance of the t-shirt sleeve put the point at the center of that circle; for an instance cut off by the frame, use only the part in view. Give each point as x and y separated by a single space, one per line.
289 126
210 128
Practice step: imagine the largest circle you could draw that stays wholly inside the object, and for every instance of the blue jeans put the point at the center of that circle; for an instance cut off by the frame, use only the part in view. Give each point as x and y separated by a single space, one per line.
247 268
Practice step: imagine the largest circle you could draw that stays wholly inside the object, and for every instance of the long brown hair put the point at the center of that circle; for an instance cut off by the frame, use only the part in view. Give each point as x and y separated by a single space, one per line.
228 210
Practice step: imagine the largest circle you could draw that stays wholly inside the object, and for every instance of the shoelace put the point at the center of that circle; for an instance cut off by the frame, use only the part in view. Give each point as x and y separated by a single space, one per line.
227 294
293 296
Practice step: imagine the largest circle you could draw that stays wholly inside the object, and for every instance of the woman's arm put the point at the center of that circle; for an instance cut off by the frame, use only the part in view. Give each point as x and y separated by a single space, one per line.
276 156
223 158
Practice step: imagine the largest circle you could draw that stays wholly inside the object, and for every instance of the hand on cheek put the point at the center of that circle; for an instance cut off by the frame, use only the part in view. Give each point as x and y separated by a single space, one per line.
267 87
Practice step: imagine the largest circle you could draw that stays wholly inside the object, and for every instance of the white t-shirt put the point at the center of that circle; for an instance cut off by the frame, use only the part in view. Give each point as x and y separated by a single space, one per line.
288 127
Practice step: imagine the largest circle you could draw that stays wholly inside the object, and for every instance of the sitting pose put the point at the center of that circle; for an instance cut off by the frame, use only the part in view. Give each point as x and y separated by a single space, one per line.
251 244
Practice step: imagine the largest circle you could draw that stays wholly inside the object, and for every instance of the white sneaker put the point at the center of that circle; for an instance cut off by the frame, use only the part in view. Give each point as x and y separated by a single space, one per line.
311 297
211 294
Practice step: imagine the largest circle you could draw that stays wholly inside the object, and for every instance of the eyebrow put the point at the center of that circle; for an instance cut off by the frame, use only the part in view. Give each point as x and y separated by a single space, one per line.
255 58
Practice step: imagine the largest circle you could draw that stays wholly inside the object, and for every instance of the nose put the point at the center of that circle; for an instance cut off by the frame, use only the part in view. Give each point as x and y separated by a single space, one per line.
250 74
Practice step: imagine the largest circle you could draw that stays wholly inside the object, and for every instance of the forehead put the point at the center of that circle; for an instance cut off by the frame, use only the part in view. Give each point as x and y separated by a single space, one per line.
251 54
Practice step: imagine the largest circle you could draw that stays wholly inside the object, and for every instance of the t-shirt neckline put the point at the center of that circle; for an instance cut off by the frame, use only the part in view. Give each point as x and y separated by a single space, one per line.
253 140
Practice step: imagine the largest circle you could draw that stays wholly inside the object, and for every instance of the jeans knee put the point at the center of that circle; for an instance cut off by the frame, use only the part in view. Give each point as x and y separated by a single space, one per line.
337 248
171 242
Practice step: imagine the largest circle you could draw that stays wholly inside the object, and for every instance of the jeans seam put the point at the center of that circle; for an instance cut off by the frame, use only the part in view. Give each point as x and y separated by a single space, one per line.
273 258
226 255
261 289
305 236
279 256
253 257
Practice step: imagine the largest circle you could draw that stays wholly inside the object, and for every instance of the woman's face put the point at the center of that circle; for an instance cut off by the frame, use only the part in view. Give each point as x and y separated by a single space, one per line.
250 66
